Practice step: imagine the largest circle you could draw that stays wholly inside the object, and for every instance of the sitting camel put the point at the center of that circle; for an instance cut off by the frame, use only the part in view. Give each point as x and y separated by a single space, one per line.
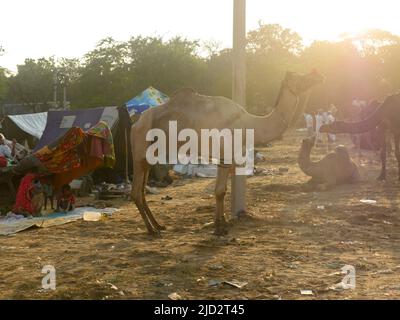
335 168
197 112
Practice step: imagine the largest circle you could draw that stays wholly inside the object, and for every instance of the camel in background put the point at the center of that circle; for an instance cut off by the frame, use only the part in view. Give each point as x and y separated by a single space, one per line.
386 119
195 111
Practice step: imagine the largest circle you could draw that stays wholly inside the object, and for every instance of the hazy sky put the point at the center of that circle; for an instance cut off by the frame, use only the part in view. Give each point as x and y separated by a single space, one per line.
70 28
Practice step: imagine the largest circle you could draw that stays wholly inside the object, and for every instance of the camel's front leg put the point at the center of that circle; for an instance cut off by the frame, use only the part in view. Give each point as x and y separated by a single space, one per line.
139 172
220 191
146 207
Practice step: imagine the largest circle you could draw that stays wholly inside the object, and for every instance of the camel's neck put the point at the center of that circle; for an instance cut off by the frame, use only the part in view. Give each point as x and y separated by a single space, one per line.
304 161
272 126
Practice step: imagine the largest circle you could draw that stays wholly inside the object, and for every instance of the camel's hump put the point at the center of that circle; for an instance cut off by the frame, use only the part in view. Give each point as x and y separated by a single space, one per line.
183 93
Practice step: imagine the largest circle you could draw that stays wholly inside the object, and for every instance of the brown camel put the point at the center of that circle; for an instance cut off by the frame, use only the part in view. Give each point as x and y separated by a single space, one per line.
197 112
334 169
386 118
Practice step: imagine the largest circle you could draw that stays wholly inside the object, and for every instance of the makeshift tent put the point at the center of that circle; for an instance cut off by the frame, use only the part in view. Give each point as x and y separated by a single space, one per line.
25 127
117 119
77 152
149 98
33 123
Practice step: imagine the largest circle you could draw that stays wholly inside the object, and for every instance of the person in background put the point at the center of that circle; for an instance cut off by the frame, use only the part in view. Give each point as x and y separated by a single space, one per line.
319 121
66 200
309 124
329 118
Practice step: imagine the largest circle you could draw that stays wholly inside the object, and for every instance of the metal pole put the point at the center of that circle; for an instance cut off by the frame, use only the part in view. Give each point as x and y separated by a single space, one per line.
239 94
55 80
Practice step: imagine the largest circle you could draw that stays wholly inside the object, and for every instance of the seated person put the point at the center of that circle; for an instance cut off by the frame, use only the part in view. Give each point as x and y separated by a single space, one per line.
29 200
66 200
6 150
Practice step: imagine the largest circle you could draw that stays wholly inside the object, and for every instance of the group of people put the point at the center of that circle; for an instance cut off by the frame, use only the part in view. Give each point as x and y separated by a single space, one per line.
33 193
34 189
315 121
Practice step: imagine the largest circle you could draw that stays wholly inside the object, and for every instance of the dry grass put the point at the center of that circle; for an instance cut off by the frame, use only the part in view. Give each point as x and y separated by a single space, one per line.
286 245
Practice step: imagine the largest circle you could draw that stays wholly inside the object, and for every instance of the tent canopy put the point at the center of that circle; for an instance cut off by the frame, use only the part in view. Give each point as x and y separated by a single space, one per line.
149 98
59 122
33 124
25 128
116 118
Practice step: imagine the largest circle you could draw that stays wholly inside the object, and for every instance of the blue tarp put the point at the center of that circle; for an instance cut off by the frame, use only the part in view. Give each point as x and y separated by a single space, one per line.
149 98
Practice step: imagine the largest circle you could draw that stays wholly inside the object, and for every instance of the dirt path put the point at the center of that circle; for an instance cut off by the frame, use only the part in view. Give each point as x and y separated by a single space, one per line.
287 245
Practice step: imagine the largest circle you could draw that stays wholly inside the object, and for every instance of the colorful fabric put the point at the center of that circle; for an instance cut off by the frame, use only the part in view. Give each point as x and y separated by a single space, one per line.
102 144
3 161
66 155
149 98
77 153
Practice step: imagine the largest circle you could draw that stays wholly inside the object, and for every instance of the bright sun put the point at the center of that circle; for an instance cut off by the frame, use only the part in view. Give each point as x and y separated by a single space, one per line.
326 20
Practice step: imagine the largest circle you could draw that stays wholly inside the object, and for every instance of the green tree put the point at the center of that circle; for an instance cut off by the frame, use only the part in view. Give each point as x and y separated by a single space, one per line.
33 83
271 51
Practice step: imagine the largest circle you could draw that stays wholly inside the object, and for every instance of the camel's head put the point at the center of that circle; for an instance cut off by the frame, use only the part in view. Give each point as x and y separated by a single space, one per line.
308 143
299 84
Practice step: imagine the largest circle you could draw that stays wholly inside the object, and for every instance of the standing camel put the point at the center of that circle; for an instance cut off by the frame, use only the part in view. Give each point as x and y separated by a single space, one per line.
386 119
194 111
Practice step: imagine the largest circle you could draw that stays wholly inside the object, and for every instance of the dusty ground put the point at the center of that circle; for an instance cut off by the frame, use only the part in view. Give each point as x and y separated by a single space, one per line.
286 245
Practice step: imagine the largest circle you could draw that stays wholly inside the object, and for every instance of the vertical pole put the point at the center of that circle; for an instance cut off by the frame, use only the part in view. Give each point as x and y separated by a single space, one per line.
239 94
55 80
65 97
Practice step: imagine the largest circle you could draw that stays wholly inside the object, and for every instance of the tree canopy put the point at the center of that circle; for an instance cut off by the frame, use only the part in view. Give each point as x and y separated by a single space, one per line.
364 66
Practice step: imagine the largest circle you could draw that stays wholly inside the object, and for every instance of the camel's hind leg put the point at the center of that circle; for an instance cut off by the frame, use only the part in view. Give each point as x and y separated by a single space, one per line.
220 191
146 207
139 171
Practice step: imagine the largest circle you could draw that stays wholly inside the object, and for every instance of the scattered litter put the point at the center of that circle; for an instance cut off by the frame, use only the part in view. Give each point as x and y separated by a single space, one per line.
385 271
174 296
340 286
259 157
351 242
321 207
152 190
269 172
93 216
208 224
368 201
216 267
166 198
306 292
201 279
106 191
236 284
386 222
214 283
112 286
121 293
